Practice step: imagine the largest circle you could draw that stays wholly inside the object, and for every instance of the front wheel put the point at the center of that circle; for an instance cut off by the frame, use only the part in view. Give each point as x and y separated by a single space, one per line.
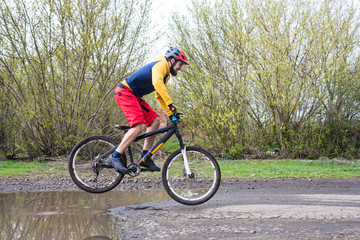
88 169
194 188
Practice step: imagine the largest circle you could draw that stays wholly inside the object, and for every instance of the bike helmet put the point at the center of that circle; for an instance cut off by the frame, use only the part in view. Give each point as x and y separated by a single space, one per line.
177 54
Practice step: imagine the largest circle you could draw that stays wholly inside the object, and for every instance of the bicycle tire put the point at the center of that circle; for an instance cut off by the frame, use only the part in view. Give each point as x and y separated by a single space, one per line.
198 188
84 163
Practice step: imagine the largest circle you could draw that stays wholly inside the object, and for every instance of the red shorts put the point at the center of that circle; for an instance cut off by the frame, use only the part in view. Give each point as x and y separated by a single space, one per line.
135 109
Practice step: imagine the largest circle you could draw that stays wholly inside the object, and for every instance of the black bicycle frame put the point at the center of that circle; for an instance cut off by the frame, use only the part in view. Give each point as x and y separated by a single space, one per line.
170 130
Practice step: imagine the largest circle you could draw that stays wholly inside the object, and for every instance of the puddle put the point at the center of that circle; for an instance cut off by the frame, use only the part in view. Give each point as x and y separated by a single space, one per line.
67 214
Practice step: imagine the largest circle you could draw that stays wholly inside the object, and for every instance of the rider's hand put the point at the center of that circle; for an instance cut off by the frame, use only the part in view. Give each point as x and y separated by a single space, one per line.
172 109
175 118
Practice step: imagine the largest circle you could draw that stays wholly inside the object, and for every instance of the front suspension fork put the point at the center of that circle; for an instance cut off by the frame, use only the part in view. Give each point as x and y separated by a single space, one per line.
183 152
186 163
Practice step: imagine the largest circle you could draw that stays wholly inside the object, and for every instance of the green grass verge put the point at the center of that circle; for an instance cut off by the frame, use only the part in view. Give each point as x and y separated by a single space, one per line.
288 169
10 167
229 169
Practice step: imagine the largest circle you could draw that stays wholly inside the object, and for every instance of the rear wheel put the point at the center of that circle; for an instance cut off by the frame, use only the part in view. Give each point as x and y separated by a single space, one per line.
88 170
200 185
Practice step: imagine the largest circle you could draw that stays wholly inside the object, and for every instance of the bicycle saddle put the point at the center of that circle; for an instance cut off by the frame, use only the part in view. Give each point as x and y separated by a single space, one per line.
122 127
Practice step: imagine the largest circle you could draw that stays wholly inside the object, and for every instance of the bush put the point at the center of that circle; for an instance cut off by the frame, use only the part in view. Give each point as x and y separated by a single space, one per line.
272 71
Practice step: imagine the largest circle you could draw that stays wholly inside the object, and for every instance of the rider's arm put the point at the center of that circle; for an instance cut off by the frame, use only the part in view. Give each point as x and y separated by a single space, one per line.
160 73
162 104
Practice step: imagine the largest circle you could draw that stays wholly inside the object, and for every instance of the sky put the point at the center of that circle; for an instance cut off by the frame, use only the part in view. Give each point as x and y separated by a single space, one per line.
160 14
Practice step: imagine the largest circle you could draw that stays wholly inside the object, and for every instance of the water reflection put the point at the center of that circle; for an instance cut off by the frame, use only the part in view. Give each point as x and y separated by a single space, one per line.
67 214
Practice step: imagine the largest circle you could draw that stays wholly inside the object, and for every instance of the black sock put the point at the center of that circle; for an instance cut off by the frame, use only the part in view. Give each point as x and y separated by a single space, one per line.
144 152
116 154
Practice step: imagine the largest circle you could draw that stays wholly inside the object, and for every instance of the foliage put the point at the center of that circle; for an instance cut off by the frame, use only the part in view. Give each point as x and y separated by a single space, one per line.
7 126
59 64
265 75
268 72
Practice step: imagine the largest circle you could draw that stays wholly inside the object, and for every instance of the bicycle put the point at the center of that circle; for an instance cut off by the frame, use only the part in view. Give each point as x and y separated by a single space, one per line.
190 175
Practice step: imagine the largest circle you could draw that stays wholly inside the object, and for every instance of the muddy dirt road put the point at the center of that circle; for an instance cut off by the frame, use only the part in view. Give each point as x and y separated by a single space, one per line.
247 209
277 209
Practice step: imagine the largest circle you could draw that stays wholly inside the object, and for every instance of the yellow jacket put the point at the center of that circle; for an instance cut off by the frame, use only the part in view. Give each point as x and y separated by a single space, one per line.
152 77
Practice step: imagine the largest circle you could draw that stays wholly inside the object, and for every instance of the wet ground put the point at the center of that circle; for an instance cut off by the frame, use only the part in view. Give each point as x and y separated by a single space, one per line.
278 209
53 208
67 214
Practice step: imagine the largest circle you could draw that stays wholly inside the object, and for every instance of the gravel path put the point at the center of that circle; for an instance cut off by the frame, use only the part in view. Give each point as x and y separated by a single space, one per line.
244 209
277 209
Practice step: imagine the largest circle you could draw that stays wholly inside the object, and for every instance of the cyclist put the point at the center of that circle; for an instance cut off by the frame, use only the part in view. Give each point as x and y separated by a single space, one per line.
128 95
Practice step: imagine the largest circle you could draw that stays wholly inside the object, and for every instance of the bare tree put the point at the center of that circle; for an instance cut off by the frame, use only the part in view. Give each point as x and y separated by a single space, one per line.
60 62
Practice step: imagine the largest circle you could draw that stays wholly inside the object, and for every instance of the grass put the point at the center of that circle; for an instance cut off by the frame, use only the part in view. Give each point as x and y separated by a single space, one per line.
288 169
171 145
267 169
10 167
277 169
254 169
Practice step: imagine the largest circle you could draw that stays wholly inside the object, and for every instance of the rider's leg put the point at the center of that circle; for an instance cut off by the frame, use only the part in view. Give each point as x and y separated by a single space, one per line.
139 114
130 137
149 163
150 140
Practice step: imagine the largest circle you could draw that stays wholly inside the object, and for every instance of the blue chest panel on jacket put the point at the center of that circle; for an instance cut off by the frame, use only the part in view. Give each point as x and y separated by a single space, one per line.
140 81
